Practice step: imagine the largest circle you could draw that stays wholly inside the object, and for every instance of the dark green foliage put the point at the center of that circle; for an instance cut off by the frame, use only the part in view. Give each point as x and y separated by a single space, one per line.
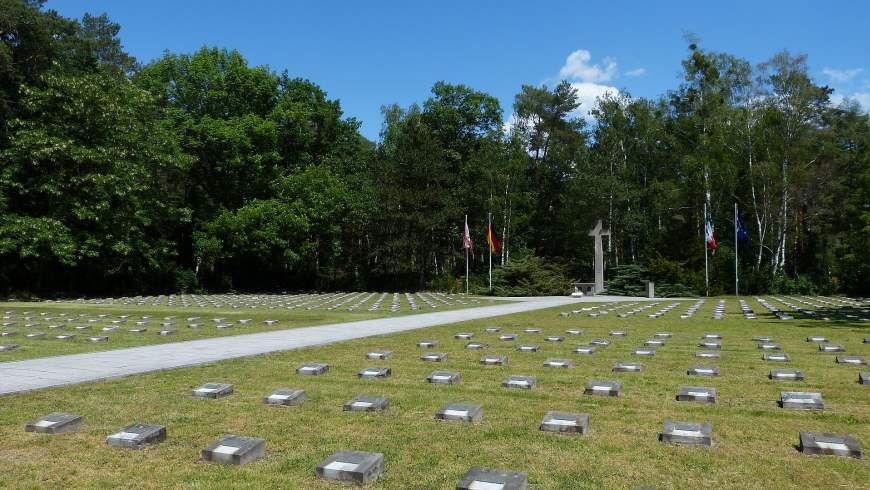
529 275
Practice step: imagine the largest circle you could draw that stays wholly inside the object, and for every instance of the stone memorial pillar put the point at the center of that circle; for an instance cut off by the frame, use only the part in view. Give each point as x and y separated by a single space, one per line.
597 233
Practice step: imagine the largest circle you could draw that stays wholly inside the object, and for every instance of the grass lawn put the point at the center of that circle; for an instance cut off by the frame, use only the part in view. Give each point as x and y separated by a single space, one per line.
754 440
48 345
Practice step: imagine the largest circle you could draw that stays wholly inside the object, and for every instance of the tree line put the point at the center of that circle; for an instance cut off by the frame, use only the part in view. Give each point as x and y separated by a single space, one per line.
200 172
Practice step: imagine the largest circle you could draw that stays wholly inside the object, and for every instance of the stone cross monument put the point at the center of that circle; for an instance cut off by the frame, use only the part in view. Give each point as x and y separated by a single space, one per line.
597 233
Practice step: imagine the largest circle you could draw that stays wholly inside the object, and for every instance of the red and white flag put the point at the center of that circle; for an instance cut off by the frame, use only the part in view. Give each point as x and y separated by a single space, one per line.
708 236
466 237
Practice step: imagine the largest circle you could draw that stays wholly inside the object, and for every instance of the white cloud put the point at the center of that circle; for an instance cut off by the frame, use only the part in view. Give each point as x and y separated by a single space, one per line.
577 67
862 98
637 72
841 75
587 93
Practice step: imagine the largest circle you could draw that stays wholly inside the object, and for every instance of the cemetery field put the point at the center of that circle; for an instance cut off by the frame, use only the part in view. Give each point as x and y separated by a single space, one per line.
35 328
754 440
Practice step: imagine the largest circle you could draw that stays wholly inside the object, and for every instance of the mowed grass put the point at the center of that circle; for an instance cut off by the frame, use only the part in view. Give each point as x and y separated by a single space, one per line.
754 440
48 345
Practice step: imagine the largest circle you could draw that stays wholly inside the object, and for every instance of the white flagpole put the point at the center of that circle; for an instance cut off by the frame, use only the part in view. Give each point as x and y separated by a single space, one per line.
706 267
736 250
465 244
488 231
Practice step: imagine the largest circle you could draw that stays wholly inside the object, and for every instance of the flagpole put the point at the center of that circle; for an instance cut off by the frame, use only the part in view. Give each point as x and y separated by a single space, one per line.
706 267
466 257
736 251
488 232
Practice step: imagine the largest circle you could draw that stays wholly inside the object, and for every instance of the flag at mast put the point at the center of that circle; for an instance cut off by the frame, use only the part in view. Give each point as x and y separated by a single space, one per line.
466 244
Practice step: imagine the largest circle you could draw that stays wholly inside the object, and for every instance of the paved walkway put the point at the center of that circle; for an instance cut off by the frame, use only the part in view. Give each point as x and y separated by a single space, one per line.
47 372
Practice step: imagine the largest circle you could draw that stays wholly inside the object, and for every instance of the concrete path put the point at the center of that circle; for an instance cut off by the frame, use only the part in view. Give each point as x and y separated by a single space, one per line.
35 374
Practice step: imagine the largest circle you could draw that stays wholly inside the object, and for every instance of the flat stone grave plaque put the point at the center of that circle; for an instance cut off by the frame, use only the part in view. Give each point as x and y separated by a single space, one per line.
374 373
532 330
138 330
769 346
558 363
55 423
464 336
565 423
627 367
703 371
443 377
222 326
714 336
35 335
364 403
492 330
663 335
479 478
60 327
434 357
521 382
66 336
137 436
786 375
528 348
285 397
864 378
618 333
830 444
213 390
493 360
427 344
244 321
867 340
313 369
98 338
817 338
687 433
603 388
462 412
600 342
644 352
585 350
232 449
831 348
564 314
269 323
574 331
166 332
195 325
709 344
81 328
801 400
507 337
762 338
696 394
476 345
654 342
109 329
356 467
853 360
379 355
776 357
554 338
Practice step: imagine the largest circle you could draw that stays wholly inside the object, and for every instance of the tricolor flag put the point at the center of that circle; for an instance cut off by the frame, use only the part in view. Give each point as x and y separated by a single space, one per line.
708 236
494 244
466 237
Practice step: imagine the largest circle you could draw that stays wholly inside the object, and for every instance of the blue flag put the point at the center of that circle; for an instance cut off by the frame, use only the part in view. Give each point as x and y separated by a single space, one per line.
742 233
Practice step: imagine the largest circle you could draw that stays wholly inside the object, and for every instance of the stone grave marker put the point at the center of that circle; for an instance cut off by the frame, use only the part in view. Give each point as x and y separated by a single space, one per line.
521 382
313 369
600 342
618 333
492 330
479 478
285 397
703 371
427 344
55 423
110 329
768 346
554 338
528 348
379 355
713 336
627 367
654 342
374 373
443 377
776 357
762 338
801 400
365 403
603 388
166 332
709 344
664 335
66 336
137 436
476 345
817 338
213 390
462 412
98 338
464 336
786 375
864 378
138 330
644 352
574 331
35 335
696 394
355 467
507 337
532 330
558 363
831 348
493 360
824 443
232 449
565 423
585 350
853 360
687 433
434 357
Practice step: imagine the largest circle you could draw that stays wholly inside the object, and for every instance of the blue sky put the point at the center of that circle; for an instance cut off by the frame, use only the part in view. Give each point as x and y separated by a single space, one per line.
367 54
